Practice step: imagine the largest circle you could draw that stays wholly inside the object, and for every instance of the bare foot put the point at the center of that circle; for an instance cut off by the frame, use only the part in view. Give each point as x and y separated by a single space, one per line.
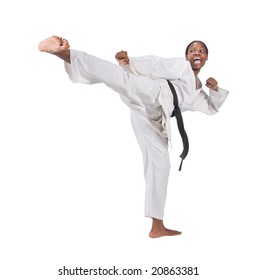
159 230
163 232
54 45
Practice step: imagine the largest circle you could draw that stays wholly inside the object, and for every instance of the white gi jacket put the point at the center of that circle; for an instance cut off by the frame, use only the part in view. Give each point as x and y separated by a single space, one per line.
179 72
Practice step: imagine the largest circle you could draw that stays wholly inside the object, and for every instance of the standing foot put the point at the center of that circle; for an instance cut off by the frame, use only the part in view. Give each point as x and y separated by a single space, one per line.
159 230
164 232
54 45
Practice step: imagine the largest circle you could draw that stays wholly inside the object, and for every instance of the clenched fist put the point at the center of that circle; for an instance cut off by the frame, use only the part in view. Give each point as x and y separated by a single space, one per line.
122 57
212 84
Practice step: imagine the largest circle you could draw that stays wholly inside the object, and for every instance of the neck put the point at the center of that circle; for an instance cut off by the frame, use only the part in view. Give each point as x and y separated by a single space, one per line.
196 72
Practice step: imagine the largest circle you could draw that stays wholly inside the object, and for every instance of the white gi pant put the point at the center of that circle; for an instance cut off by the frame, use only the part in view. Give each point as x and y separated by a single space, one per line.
154 148
141 94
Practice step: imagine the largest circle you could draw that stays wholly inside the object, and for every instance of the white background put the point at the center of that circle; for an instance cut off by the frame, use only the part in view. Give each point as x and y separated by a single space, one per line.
71 176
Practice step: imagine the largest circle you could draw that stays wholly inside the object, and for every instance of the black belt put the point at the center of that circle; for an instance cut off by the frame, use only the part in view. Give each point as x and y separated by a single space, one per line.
178 115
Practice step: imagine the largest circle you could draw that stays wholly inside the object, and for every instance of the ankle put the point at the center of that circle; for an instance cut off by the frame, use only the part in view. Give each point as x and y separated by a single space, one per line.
157 224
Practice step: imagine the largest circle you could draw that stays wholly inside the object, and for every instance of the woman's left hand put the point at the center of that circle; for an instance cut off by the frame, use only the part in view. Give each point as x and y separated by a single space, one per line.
212 83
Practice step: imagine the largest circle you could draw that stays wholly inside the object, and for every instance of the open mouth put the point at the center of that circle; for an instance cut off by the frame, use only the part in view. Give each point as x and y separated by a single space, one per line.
197 60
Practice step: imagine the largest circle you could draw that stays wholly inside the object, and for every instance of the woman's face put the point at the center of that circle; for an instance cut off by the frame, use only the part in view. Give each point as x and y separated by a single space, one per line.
197 55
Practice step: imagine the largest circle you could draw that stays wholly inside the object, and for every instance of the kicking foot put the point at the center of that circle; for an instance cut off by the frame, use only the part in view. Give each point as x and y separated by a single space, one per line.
54 45
163 232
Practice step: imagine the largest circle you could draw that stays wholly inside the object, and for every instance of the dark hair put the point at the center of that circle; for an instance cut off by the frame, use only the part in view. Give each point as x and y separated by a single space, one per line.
196 41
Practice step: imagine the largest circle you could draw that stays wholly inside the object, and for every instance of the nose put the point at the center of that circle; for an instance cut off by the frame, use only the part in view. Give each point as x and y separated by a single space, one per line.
196 53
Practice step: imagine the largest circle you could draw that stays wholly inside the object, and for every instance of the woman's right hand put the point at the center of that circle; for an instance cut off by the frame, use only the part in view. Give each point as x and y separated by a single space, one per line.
122 57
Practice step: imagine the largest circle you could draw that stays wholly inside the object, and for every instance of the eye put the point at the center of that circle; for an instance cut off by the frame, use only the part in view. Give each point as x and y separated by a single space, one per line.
202 51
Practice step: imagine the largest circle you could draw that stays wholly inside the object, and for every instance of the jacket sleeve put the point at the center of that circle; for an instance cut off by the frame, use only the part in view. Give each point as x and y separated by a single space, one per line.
210 104
155 67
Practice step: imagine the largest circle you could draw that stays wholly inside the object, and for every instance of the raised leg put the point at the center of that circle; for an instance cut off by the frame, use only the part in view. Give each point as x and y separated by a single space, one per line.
140 92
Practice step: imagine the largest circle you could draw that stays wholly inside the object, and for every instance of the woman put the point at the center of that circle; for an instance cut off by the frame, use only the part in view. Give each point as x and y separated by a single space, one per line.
142 85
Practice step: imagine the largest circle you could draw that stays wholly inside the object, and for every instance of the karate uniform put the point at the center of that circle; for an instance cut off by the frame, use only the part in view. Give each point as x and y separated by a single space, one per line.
142 86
